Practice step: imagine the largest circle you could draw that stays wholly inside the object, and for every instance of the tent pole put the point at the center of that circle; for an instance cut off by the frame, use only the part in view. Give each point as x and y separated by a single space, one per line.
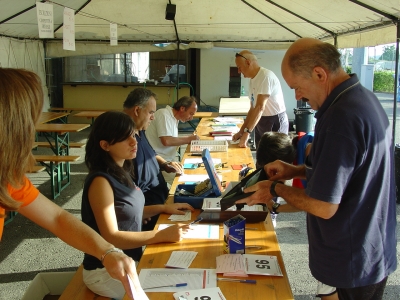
396 81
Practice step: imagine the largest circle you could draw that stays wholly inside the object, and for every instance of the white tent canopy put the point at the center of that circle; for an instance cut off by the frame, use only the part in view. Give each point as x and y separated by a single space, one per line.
251 24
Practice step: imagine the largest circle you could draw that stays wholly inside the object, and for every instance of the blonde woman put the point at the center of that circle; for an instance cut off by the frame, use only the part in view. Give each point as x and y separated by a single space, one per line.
21 101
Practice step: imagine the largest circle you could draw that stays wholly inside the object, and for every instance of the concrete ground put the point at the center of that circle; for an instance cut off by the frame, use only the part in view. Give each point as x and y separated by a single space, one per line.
27 249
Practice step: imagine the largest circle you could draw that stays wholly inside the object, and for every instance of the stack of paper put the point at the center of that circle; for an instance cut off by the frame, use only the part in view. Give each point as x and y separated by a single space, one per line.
212 204
244 264
224 129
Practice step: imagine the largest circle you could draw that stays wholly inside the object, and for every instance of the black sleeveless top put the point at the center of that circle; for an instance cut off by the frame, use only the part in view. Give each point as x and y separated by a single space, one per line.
128 203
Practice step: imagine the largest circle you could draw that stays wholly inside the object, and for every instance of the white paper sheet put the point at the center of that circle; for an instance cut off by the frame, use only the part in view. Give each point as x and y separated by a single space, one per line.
194 278
181 218
198 231
194 178
199 160
210 293
181 259
253 264
137 292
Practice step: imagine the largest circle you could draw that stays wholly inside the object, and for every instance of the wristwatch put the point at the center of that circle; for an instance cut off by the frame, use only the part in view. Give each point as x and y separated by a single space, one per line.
275 207
272 188
247 130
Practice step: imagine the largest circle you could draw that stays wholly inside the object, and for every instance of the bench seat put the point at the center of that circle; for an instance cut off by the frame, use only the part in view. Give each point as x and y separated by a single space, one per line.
58 167
47 145
56 158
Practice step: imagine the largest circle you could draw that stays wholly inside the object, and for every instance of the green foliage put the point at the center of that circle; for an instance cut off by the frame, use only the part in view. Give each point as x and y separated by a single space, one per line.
383 81
389 53
347 69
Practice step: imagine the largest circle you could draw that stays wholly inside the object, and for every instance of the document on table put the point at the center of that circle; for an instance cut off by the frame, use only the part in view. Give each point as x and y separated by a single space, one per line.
163 280
198 231
210 293
180 218
199 160
181 259
195 178
137 291
242 264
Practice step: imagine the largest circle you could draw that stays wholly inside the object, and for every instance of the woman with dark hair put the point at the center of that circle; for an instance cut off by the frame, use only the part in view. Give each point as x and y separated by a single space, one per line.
113 205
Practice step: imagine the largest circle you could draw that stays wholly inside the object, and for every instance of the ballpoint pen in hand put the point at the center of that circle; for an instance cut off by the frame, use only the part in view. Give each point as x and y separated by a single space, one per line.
238 280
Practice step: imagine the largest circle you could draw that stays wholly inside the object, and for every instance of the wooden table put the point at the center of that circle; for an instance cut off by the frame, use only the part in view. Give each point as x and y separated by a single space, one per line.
234 106
59 133
206 114
267 287
48 116
90 114
234 156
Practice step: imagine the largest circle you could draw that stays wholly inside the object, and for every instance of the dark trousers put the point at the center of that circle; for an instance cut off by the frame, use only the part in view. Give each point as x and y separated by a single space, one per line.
279 123
369 292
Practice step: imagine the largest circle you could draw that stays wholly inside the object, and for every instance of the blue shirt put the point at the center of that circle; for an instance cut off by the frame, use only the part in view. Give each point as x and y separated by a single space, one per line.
147 172
351 164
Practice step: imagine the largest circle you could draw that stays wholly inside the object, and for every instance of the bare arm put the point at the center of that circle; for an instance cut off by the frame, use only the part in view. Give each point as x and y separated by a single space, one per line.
252 119
256 113
50 216
172 209
101 198
296 197
177 141
293 196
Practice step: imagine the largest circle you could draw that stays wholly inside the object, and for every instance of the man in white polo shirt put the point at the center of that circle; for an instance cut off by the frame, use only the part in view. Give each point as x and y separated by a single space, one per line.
162 133
267 108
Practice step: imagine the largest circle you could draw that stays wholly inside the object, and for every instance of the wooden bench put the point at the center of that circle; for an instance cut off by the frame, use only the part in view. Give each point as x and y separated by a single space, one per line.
56 158
77 290
47 145
57 166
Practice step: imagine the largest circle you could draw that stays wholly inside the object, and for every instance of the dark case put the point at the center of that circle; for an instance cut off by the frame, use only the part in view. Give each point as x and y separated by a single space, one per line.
235 194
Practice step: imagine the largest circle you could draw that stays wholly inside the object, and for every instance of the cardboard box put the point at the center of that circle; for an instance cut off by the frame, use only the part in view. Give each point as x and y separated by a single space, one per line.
234 235
51 283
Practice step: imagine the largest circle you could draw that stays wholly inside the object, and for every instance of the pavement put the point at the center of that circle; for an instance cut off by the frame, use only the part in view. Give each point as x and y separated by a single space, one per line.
27 249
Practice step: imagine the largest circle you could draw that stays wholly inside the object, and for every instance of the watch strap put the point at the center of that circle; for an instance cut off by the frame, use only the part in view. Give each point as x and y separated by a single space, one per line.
247 130
275 207
272 188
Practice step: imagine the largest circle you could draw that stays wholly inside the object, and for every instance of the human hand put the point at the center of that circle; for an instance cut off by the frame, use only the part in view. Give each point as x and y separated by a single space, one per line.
243 141
174 233
236 136
177 208
146 220
120 266
280 170
174 167
261 195
194 137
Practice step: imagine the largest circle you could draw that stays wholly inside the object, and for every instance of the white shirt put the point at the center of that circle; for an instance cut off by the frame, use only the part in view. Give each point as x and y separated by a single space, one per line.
266 83
164 124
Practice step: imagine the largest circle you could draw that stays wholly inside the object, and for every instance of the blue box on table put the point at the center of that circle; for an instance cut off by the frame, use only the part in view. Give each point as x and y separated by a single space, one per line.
185 193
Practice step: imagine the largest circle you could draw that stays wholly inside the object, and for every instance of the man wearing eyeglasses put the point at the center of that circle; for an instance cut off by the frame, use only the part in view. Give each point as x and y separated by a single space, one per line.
267 110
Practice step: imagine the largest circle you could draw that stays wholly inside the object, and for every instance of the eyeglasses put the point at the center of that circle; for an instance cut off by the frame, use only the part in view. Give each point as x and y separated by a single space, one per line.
240 55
